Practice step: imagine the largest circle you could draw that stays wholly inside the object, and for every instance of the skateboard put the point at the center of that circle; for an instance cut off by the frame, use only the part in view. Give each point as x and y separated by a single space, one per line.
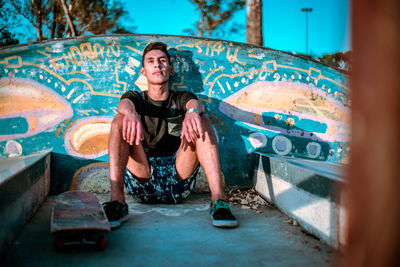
78 218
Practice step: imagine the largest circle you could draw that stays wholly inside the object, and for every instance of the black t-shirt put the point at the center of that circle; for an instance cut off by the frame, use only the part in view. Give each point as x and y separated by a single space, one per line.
161 120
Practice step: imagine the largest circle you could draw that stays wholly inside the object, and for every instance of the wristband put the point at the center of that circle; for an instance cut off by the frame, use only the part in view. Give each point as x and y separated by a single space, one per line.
193 110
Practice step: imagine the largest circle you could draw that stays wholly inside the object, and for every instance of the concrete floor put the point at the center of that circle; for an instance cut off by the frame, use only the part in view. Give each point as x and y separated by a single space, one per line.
177 235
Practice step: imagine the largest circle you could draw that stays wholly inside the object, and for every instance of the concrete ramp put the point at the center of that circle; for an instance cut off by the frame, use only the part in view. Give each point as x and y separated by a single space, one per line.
310 192
24 185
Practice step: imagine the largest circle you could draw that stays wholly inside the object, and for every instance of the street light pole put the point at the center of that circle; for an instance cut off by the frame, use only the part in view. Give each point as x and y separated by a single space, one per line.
306 10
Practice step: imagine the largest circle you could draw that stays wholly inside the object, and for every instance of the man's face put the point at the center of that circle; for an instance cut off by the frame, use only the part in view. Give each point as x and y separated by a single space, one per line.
156 67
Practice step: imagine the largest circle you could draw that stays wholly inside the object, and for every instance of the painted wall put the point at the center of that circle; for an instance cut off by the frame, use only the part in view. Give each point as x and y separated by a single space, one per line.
62 95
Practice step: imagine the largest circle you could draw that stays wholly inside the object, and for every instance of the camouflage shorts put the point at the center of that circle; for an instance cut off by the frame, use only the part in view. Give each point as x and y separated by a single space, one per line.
163 186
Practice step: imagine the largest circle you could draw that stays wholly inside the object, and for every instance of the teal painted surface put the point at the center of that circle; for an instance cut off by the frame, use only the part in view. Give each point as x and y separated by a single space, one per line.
62 95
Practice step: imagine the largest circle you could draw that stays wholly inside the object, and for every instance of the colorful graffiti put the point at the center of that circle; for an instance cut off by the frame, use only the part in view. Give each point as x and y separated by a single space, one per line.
88 138
292 109
62 95
28 108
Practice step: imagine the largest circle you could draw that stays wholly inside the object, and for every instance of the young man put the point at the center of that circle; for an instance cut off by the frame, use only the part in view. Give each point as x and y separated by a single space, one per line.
157 140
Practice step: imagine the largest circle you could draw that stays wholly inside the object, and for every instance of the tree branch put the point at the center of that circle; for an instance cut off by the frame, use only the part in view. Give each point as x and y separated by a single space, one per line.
69 21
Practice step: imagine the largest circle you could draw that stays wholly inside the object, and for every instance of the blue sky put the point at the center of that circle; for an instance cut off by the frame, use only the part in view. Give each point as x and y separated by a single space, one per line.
283 22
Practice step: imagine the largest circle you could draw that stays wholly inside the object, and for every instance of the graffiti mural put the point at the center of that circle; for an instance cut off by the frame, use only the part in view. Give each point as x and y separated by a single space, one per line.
62 95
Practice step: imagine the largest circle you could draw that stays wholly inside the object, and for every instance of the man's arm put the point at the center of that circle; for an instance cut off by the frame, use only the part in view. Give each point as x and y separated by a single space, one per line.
131 124
191 125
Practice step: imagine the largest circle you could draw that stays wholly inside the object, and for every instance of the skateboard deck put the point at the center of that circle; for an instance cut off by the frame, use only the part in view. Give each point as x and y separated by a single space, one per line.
78 218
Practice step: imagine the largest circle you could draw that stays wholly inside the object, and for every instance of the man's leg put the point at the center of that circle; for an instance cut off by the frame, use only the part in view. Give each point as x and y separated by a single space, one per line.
205 151
122 156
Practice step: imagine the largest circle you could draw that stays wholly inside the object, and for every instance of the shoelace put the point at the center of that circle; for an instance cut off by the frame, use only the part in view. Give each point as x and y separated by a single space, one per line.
221 204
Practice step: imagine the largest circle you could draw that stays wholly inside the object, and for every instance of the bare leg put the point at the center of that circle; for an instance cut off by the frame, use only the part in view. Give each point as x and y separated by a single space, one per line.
122 156
205 151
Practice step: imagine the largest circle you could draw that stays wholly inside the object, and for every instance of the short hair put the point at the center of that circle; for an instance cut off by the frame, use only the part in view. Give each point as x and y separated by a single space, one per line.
156 46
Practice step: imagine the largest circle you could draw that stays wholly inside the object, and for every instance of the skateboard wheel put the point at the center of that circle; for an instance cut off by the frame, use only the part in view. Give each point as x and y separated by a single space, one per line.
102 243
59 244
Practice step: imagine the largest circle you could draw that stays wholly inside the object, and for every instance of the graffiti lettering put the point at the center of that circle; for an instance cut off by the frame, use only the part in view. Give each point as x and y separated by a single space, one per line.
74 51
233 59
54 64
116 54
68 58
218 48
98 49
88 52
196 44
77 55
184 45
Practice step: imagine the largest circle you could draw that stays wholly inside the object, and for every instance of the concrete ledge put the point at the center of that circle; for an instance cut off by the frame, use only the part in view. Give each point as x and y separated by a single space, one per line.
308 191
24 185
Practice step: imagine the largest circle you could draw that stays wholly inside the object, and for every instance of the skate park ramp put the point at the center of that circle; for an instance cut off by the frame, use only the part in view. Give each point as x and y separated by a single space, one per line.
282 121
61 95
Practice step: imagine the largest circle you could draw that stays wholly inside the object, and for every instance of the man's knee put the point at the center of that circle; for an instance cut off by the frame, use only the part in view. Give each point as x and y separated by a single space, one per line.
208 128
116 124
185 145
206 123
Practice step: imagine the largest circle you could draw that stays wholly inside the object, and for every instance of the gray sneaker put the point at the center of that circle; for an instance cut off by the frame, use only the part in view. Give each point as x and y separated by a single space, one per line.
116 213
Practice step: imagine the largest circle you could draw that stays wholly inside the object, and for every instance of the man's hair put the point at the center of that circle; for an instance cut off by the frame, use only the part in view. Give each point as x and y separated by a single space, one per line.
156 46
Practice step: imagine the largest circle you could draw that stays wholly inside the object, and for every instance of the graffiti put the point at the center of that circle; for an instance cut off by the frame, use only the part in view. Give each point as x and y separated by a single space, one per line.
93 177
88 138
80 55
13 149
28 108
62 95
290 108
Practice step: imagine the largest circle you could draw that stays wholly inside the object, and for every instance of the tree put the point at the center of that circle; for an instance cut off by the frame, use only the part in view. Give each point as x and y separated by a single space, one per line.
7 38
213 17
64 18
254 33
71 26
6 22
35 11
58 22
96 16
338 60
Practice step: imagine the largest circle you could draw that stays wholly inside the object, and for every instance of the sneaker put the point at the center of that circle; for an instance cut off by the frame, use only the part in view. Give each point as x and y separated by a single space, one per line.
116 213
221 215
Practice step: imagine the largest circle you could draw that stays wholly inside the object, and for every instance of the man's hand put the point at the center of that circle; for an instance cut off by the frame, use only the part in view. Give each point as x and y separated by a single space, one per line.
132 128
191 127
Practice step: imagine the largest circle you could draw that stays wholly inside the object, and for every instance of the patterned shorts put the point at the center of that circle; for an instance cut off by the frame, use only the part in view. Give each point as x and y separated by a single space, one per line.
163 186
